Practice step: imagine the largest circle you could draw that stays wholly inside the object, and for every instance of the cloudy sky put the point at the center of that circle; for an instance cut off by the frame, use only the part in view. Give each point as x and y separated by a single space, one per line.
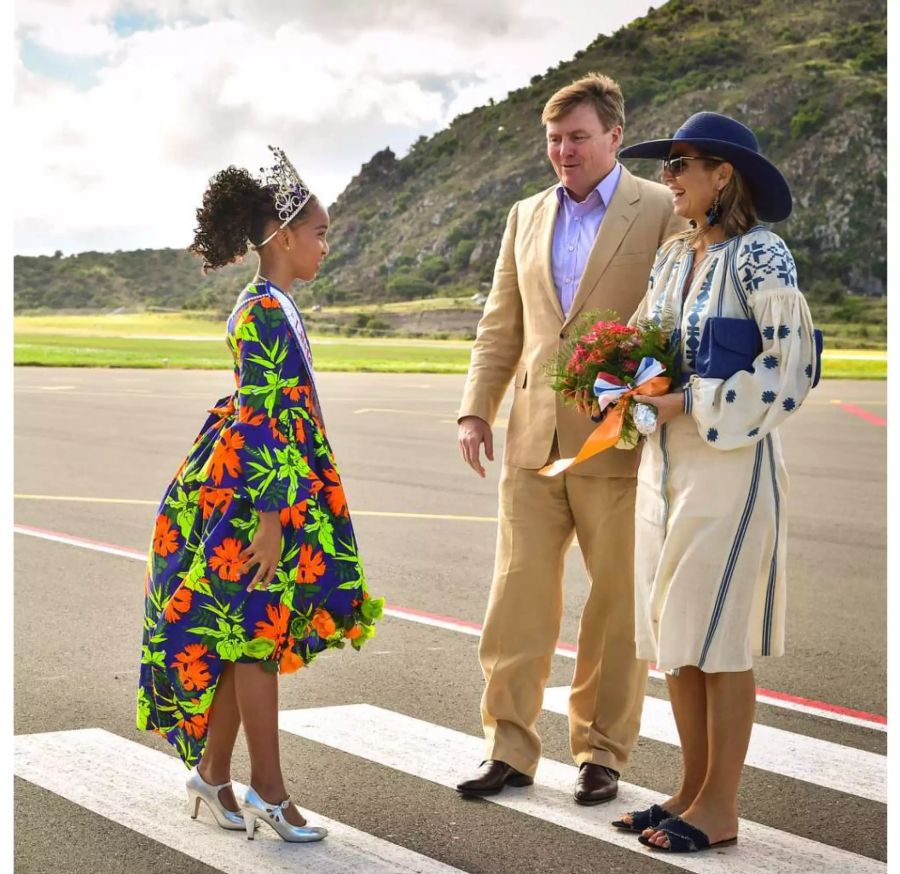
124 108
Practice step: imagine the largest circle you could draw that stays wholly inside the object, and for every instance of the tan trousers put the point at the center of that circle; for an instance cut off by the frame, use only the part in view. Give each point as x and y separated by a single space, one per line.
538 517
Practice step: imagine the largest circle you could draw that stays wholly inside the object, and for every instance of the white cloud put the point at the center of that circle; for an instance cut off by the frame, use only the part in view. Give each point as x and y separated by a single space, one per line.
122 164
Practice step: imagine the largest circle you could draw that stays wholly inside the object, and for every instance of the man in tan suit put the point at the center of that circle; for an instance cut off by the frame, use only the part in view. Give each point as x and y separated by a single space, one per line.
585 244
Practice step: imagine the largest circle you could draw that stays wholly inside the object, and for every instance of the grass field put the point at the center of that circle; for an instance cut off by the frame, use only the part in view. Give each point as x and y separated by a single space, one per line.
155 340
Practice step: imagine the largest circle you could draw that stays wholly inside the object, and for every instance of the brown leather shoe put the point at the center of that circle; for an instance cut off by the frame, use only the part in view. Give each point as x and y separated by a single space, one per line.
492 777
596 784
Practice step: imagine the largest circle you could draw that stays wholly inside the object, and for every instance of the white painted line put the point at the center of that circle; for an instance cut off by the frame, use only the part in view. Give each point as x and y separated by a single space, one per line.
444 756
143 789
80 542
763 696
821 762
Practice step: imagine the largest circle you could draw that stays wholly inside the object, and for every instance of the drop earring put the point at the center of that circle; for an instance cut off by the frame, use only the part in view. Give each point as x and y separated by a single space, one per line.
714 213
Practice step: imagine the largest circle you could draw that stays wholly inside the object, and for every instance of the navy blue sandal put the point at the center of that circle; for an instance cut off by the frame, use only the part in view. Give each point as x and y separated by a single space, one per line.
684 838
643 819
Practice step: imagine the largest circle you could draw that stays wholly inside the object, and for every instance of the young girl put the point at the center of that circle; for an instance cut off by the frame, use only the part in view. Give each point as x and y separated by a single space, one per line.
254 567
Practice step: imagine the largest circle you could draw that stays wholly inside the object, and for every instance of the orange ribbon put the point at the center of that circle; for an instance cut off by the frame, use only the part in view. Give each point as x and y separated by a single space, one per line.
608 432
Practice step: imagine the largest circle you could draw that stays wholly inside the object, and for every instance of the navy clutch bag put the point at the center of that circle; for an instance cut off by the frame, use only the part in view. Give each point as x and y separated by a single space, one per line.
730 345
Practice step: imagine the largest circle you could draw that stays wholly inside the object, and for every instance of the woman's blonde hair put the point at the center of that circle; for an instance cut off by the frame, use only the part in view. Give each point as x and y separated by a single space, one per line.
737 213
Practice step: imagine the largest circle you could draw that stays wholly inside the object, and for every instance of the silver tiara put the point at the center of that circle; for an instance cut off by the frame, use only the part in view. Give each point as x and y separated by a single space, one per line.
290 192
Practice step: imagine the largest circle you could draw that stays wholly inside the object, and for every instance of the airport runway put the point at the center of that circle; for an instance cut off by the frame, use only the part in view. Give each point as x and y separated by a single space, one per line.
374 741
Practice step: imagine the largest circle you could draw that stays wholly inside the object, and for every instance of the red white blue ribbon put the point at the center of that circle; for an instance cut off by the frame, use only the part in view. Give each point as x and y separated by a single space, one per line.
608 392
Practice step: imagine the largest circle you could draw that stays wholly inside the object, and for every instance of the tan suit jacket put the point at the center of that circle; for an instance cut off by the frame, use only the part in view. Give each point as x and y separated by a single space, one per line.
523 325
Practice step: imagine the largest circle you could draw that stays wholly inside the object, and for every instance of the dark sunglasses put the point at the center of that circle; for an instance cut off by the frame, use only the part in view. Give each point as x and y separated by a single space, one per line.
676 165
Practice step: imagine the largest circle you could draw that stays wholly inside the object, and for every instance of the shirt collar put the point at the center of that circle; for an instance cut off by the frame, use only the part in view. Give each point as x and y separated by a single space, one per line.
605 188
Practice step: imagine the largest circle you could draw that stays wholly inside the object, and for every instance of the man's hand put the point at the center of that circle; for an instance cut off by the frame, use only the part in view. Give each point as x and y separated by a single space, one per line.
667 406
264 550
473 431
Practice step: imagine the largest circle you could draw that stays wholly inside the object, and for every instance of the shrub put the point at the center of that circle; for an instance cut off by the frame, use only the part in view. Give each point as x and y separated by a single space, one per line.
806 120
407 286
462 253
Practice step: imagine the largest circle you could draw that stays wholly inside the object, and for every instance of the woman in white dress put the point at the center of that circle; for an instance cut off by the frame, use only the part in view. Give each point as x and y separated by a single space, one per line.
710 514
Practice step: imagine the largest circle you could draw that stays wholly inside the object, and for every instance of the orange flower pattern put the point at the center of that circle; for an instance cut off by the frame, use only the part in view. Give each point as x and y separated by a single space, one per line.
165 537
214 499
179 603
311 565
193 672
226 560
262 448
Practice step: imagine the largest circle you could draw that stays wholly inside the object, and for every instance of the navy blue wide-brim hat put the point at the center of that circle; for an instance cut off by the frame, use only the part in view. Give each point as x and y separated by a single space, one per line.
724 137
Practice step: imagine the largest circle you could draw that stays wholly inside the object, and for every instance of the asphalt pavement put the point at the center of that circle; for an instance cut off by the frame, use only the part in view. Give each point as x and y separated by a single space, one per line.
375 740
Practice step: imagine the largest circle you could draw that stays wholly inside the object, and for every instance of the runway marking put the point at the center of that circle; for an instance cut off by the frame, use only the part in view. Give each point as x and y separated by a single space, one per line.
443 756
399 412
785 700
443 517
845 769
871 418
143 789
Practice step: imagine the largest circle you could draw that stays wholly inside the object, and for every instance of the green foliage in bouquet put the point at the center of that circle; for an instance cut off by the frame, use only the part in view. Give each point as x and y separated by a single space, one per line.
602 344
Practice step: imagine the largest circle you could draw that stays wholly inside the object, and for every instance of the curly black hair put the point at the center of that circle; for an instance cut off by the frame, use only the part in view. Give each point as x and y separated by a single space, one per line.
236 210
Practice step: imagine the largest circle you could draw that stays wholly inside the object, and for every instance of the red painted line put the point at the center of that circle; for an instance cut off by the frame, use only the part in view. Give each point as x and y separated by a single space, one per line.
871 418
824 706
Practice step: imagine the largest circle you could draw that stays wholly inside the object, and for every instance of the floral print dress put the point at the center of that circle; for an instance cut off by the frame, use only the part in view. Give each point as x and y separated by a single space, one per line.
262 449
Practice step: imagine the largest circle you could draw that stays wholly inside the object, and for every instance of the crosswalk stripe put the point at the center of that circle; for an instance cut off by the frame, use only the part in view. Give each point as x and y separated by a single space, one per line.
441 755
143 789
798 756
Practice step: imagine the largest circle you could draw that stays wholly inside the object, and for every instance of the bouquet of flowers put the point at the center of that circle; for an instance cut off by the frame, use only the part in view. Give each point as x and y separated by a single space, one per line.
616 363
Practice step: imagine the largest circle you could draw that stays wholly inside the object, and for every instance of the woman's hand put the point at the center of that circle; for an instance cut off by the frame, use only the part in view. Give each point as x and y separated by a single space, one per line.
587 403
264 550
668 406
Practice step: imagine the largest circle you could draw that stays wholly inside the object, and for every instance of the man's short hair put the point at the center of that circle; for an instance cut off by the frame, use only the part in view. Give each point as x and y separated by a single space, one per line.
595 89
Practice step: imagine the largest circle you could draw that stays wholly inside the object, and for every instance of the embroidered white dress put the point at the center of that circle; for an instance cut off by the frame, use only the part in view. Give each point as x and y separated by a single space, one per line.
710 532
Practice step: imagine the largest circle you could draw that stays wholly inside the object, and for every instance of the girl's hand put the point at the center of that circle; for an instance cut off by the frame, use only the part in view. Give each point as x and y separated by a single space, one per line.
667 406
264 550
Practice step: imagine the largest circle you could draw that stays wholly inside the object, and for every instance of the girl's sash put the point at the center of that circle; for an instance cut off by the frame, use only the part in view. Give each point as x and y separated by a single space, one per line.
295 320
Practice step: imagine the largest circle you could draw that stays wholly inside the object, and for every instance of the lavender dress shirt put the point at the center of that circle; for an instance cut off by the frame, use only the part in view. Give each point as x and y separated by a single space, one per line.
576 228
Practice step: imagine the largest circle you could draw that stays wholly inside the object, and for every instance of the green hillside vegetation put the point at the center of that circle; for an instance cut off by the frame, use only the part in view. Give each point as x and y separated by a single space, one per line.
808 75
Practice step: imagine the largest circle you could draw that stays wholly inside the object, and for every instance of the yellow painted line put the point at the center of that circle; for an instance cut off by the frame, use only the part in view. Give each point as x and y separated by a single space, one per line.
445 517
398 412
85 499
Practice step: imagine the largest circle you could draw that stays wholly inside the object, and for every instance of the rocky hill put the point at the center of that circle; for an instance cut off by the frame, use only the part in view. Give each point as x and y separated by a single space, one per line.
809 76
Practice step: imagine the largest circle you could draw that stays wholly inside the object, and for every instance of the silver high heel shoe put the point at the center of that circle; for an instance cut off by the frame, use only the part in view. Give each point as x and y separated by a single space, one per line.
254 807
199 790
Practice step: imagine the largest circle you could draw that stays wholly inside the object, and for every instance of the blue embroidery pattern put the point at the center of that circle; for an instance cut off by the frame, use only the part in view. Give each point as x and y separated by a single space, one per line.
769 332
692 333
712 435
760 261
783 331
768 397
771 361
753 433
732 394
808 370
789 404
